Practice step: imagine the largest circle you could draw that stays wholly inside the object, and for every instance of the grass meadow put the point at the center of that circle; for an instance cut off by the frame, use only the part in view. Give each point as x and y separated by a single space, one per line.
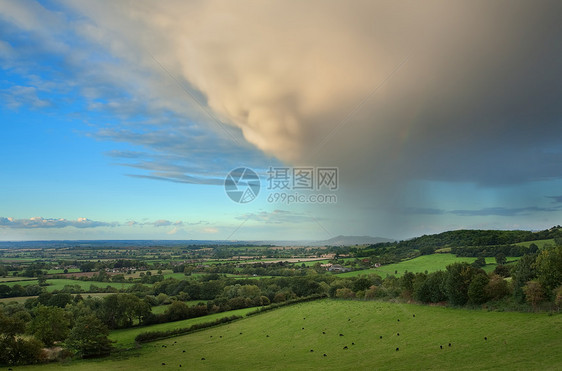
58 284
429 263
343 335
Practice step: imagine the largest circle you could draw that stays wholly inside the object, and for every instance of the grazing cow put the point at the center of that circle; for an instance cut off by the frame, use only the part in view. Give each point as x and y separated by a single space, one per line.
323 333
163 364
302 328
397 349
397 334
341 334
325 355
180 365
311 350
485 338
380 337
240 333
449 344
203 358
345 347
413 315
183 351
266 336
441 346
398 319
352 343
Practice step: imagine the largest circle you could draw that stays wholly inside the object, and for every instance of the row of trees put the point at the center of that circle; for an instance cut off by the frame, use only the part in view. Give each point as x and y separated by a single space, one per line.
535 279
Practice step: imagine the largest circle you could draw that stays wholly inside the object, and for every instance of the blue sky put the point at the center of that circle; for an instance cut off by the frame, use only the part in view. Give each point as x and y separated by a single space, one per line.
121 120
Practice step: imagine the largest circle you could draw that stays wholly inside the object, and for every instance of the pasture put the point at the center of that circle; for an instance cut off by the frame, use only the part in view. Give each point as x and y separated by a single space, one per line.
363 335
58 284
126 337
429 263
540 243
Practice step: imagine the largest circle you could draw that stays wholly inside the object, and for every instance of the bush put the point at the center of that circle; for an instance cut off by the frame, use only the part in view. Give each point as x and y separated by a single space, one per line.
534 293
558 297
497 287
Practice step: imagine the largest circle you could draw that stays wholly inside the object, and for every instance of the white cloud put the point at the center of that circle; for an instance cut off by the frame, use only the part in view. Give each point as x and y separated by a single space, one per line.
40 222
278 216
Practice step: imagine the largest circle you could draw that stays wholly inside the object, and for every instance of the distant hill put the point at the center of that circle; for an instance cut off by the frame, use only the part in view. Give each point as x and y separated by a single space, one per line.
354 240
334 241
458 238
476 237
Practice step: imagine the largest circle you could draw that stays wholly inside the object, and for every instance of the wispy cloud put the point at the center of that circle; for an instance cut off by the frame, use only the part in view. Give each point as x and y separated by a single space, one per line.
277 217
555 199
39 222
488 211
123 97
16 96
423 211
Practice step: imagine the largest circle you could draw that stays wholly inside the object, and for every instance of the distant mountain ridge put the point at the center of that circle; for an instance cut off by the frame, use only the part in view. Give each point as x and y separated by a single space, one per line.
457 238
476 237
355 240
334 241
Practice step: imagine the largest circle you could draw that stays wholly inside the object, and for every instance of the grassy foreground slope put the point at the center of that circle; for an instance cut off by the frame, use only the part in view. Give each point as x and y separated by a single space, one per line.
283 340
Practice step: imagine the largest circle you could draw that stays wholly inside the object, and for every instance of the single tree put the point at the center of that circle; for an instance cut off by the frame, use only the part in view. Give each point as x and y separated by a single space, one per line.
88 338
476 289
501 259
549 267
534 293
523 272
457 281
497 287
479 262
50 324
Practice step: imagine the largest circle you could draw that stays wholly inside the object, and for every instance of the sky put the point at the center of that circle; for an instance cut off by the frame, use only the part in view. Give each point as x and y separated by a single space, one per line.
124 119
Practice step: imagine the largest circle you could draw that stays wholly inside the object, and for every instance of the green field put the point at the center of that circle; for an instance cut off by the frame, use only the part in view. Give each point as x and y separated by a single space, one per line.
126 337
58 284
283 339
540 243
429 263
17 299
3 280
22 299
61 271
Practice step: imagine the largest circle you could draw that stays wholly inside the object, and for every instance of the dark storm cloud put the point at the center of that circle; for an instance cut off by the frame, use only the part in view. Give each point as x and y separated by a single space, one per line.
489 211
556 199
392 93
503 211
